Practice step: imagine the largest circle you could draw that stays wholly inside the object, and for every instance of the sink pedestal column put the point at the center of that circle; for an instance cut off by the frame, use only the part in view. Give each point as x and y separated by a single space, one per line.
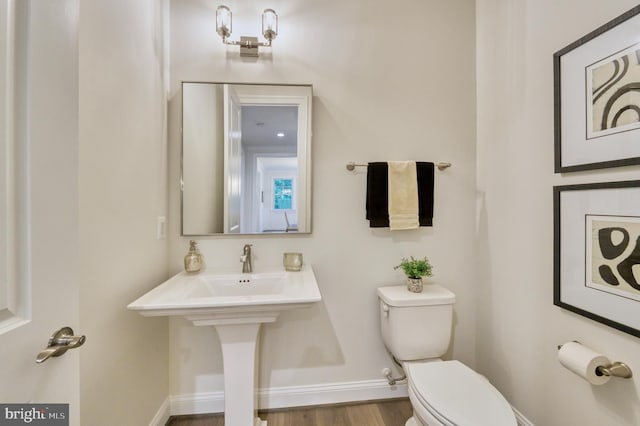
238 343
238 334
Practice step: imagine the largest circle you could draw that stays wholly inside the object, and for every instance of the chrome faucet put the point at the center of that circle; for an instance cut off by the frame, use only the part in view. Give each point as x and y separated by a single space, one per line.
246 259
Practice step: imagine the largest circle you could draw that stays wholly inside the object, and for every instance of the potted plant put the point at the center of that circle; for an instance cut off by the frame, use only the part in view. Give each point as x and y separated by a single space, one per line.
415 269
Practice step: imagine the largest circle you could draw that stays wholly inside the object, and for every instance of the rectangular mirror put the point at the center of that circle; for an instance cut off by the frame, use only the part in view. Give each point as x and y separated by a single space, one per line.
246 158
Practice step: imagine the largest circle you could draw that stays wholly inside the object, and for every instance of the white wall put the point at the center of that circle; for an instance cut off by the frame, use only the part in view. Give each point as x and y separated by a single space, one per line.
123 188
390 82
518 326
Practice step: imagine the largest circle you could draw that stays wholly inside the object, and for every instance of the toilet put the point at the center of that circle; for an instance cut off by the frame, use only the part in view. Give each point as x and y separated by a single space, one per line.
416 329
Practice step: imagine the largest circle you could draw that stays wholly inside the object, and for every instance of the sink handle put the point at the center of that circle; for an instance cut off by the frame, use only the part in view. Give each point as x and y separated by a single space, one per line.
59 343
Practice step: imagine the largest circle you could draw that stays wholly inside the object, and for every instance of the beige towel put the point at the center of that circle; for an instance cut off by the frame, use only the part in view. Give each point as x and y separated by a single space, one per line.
403 195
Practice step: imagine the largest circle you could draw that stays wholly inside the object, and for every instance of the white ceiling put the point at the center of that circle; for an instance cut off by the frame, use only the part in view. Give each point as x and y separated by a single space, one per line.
262 123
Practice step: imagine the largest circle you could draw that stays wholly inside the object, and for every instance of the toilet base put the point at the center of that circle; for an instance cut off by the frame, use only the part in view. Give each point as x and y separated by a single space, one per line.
412 422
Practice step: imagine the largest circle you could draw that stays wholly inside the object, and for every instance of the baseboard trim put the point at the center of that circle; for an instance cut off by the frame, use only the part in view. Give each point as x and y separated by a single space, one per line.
162 415
292 396
197 403
522 420
331 393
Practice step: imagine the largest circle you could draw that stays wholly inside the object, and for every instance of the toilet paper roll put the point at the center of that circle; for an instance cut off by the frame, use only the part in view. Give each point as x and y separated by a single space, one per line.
583 362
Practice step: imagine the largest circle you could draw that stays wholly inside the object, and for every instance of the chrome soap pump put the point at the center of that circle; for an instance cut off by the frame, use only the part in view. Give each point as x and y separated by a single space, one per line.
193 259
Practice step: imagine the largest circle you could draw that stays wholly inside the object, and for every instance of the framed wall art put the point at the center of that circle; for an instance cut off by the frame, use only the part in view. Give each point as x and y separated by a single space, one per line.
597 98
597 252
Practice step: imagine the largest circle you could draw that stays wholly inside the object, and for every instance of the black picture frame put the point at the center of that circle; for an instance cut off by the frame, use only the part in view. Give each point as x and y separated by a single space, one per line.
574 148
572 288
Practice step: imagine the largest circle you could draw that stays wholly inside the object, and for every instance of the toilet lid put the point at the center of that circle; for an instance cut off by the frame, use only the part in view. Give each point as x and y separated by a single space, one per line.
453 392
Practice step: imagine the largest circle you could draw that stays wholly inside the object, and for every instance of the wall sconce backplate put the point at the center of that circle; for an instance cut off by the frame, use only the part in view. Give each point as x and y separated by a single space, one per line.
249 46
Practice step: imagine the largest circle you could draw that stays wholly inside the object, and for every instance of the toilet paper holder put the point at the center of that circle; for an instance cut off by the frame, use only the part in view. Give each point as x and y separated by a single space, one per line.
615 369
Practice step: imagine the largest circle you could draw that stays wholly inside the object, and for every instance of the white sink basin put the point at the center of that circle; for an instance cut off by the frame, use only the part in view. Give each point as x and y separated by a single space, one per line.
241 285
236 305
224 292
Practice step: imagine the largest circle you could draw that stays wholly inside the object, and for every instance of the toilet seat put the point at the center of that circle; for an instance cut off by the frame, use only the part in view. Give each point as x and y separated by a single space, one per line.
455 395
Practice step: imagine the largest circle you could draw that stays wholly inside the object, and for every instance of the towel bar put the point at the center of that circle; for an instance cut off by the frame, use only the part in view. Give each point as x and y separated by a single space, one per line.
351 166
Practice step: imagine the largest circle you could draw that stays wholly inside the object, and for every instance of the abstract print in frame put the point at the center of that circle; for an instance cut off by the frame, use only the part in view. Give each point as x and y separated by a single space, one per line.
613 94
597 97
597 252
613 255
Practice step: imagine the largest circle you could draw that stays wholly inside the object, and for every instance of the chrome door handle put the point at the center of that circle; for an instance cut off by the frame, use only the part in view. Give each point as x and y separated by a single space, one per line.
59 343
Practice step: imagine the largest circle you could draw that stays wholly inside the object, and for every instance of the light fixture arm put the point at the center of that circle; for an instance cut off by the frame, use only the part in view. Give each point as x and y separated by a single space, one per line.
247 43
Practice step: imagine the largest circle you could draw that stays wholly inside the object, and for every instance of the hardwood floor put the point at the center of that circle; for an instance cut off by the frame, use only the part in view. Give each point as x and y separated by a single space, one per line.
377 413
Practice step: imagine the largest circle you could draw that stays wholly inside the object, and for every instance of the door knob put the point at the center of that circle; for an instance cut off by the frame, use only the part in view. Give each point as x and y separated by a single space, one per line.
59 343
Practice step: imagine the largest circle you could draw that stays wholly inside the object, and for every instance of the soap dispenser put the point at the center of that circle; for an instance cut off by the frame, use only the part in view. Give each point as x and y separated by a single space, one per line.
193 259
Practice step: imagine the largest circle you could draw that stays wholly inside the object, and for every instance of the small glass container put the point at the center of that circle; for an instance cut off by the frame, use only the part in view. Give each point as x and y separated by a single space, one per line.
292 262
193 259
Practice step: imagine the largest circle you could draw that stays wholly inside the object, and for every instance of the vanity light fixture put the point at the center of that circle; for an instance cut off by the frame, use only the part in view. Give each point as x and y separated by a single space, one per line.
248 45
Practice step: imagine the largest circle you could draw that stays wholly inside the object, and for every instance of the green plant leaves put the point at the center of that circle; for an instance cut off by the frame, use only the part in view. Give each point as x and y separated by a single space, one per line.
415 268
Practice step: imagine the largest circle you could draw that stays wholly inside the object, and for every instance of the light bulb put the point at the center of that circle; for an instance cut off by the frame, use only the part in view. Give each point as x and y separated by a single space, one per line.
269 24
223 21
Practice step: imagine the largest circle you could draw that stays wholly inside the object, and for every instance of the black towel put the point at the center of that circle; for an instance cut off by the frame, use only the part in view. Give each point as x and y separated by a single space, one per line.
377 202
378 195
425 192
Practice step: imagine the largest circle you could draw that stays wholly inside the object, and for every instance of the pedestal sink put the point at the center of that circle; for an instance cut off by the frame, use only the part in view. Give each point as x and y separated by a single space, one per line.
235 304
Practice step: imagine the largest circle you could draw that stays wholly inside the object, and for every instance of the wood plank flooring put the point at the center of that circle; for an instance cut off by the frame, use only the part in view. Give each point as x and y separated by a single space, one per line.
377 413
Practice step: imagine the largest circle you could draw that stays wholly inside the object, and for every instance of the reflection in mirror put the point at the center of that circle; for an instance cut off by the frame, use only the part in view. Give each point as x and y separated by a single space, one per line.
246 158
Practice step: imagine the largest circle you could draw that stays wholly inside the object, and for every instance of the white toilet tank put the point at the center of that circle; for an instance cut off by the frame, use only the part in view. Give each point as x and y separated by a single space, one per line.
416 325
